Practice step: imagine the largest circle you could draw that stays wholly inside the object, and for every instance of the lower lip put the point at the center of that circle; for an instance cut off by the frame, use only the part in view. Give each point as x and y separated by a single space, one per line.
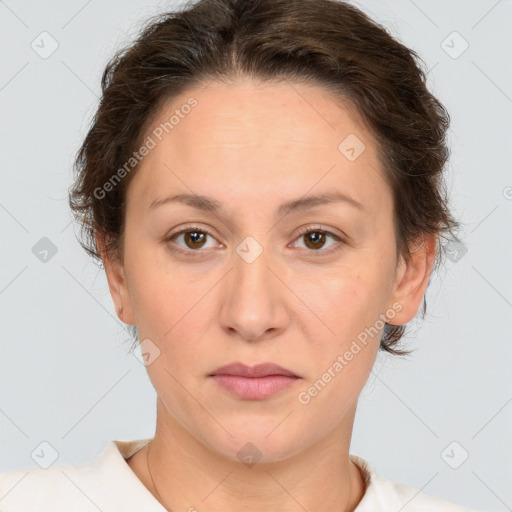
254 388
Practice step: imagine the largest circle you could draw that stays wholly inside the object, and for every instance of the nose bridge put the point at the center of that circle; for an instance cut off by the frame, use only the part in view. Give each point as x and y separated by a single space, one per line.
253 304
251 274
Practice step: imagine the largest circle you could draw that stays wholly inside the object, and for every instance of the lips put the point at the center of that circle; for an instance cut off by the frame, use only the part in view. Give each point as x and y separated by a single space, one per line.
254 382
260 370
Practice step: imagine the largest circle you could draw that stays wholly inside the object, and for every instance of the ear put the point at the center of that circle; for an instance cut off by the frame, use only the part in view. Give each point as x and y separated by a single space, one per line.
117 284
412 279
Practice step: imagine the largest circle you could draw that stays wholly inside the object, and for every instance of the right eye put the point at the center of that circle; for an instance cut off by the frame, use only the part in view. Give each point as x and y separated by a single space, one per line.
193 238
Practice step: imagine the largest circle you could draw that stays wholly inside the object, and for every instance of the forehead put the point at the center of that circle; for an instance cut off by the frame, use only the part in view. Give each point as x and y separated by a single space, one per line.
265 115
258 139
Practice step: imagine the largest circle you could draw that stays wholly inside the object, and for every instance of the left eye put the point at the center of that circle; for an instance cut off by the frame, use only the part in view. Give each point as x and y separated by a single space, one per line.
315 239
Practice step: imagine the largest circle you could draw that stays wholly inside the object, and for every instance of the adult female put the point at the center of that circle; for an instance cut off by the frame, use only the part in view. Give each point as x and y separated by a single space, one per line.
262 182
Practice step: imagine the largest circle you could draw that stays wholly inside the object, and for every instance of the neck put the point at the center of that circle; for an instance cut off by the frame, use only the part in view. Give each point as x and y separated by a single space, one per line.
183 474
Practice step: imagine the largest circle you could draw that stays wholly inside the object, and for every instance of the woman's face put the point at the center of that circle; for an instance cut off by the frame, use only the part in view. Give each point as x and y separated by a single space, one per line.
242 282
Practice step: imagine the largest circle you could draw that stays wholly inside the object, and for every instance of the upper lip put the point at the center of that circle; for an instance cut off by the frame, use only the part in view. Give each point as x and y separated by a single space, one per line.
259 370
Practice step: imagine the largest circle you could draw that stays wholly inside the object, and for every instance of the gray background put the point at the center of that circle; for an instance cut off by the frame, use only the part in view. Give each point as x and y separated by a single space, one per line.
66 376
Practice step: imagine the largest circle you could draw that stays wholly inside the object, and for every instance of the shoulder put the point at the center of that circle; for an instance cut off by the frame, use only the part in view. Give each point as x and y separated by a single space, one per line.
57 488
104 483
387 495
412 499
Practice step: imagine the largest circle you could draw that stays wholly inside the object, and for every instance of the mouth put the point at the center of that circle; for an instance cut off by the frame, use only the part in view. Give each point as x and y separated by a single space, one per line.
254 382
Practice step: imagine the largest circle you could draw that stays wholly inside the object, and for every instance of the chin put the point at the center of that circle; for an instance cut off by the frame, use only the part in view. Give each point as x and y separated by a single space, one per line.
263 441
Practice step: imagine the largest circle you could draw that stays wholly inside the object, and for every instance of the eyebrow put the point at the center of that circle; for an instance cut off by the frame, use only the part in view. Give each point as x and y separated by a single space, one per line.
201 202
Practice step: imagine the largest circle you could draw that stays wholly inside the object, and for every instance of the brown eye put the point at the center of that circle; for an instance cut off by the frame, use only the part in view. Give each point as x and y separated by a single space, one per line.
194 239
191 240
314 239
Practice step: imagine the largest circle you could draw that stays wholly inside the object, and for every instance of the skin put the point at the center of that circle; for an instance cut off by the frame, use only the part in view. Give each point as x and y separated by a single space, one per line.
252 146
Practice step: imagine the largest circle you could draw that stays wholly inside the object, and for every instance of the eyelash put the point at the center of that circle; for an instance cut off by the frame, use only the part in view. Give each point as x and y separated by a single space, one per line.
302 232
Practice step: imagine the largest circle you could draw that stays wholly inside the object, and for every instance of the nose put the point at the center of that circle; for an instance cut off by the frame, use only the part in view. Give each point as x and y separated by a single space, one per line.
254 300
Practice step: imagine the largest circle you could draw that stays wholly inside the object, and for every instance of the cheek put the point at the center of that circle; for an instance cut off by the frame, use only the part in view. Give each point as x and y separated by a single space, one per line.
158 292
351 306
346 298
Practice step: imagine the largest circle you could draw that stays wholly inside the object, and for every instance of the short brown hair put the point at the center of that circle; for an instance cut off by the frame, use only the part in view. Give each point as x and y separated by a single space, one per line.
326 42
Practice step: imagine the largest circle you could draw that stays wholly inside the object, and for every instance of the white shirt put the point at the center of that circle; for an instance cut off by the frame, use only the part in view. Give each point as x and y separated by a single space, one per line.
108 484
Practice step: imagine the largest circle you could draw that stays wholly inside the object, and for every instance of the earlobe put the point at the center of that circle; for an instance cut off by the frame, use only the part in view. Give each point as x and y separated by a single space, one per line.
114 271
412 279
